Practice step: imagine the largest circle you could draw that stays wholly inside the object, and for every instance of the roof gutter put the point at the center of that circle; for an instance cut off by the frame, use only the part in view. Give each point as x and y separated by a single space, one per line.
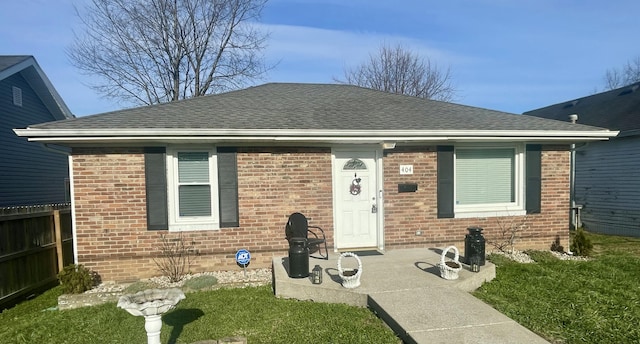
274 135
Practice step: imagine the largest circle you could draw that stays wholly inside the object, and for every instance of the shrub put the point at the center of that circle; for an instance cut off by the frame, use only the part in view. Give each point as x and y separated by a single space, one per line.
510 229
175 258
75 279
556 246
581 245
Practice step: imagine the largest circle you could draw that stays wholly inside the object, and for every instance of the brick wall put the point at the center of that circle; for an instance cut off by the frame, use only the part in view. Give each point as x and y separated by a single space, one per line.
110 211
112 238
406 213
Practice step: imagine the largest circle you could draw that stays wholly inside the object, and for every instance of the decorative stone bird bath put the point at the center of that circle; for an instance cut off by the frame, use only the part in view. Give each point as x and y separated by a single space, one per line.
151 304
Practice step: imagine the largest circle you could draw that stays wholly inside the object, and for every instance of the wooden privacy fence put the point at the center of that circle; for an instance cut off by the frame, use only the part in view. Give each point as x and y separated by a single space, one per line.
35 244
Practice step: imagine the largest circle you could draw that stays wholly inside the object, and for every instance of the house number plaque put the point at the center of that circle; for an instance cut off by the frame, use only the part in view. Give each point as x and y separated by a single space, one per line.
406 169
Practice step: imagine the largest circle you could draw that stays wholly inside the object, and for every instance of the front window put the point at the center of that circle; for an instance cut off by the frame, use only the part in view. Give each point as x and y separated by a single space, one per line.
192 189
194 185
488 179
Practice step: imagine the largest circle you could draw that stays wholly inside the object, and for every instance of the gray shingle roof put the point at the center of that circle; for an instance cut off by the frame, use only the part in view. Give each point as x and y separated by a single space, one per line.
617 109
7 61
311 107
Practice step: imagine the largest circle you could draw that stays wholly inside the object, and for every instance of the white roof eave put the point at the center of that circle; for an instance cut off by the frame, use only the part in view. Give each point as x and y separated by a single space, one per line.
282 135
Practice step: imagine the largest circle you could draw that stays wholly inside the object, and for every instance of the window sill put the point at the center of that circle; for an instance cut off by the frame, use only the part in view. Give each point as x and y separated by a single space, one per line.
193 227
473 214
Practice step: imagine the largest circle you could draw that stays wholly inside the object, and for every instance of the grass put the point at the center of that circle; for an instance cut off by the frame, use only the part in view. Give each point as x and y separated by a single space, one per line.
596 301
200 282
251 312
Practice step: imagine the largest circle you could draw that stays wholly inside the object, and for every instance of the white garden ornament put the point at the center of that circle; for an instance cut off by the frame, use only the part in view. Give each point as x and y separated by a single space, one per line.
151 304
449 269
350 277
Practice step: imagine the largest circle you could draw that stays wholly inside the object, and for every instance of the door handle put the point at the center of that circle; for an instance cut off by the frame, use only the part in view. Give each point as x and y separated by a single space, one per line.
374 209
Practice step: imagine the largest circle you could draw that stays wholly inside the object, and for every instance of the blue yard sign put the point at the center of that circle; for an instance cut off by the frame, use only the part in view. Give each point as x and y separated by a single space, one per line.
243 257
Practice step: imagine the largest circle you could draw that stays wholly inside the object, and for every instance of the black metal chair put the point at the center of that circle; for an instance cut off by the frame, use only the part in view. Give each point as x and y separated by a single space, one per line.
298 227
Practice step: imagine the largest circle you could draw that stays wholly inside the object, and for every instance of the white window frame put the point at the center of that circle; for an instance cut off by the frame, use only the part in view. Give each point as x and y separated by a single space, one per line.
515 208
191 223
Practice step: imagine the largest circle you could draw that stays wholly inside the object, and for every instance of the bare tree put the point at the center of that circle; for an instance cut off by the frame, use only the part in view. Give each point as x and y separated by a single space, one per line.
628 74
398 70
153 51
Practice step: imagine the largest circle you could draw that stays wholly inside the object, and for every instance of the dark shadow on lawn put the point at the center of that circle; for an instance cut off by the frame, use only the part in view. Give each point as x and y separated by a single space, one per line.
178 318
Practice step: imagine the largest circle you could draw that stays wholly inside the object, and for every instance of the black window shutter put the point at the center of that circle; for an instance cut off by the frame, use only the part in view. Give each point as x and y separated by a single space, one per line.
534 180
445 182
155 174
228 187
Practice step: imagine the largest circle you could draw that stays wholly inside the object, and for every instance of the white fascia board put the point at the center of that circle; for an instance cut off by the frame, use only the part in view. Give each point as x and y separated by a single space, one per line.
34 133
123 141
318 140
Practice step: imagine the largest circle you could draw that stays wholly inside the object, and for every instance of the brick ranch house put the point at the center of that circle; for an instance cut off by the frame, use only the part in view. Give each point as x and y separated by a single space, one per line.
375 170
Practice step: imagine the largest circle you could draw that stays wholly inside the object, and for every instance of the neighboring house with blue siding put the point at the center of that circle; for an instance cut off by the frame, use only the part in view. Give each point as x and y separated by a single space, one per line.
607 177
30 173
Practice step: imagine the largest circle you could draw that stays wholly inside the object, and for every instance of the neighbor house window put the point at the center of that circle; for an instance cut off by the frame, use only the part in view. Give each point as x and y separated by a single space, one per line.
193 191
488 179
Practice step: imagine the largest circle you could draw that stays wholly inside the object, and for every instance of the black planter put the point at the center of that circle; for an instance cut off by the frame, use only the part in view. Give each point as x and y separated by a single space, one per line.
474 245
298 258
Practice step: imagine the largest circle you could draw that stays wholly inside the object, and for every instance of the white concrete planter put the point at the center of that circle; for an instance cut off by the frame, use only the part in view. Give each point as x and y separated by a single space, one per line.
350 277
449 270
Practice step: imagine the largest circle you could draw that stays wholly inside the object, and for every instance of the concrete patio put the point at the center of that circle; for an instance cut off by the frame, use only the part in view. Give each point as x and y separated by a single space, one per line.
404 288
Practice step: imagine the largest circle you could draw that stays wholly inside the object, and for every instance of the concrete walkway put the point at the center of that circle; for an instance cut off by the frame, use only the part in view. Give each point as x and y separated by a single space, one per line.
404 288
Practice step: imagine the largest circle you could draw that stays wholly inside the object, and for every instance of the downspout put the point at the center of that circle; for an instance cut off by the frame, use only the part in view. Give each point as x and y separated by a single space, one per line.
572 186
67 152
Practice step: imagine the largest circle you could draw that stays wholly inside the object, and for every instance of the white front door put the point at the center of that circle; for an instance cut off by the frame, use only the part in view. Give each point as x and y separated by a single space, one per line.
355 199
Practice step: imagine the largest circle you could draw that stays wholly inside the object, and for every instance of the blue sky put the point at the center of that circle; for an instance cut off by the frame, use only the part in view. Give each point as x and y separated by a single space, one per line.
507 55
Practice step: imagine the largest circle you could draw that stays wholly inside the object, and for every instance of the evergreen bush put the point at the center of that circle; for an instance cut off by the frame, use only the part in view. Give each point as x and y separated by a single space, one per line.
556 246
581 245
75 279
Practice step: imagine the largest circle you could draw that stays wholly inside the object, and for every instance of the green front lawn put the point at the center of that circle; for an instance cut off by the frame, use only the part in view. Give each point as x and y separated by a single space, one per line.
596 301
253 313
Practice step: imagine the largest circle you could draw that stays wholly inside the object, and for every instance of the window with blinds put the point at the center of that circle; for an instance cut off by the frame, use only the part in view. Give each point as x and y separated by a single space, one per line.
202 188
194 184
485 176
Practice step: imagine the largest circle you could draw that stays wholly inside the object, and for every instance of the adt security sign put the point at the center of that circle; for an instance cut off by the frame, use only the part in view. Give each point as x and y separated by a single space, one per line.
243 257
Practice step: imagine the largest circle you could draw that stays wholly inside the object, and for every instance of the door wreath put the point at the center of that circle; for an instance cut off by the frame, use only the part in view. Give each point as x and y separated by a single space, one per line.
355 187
